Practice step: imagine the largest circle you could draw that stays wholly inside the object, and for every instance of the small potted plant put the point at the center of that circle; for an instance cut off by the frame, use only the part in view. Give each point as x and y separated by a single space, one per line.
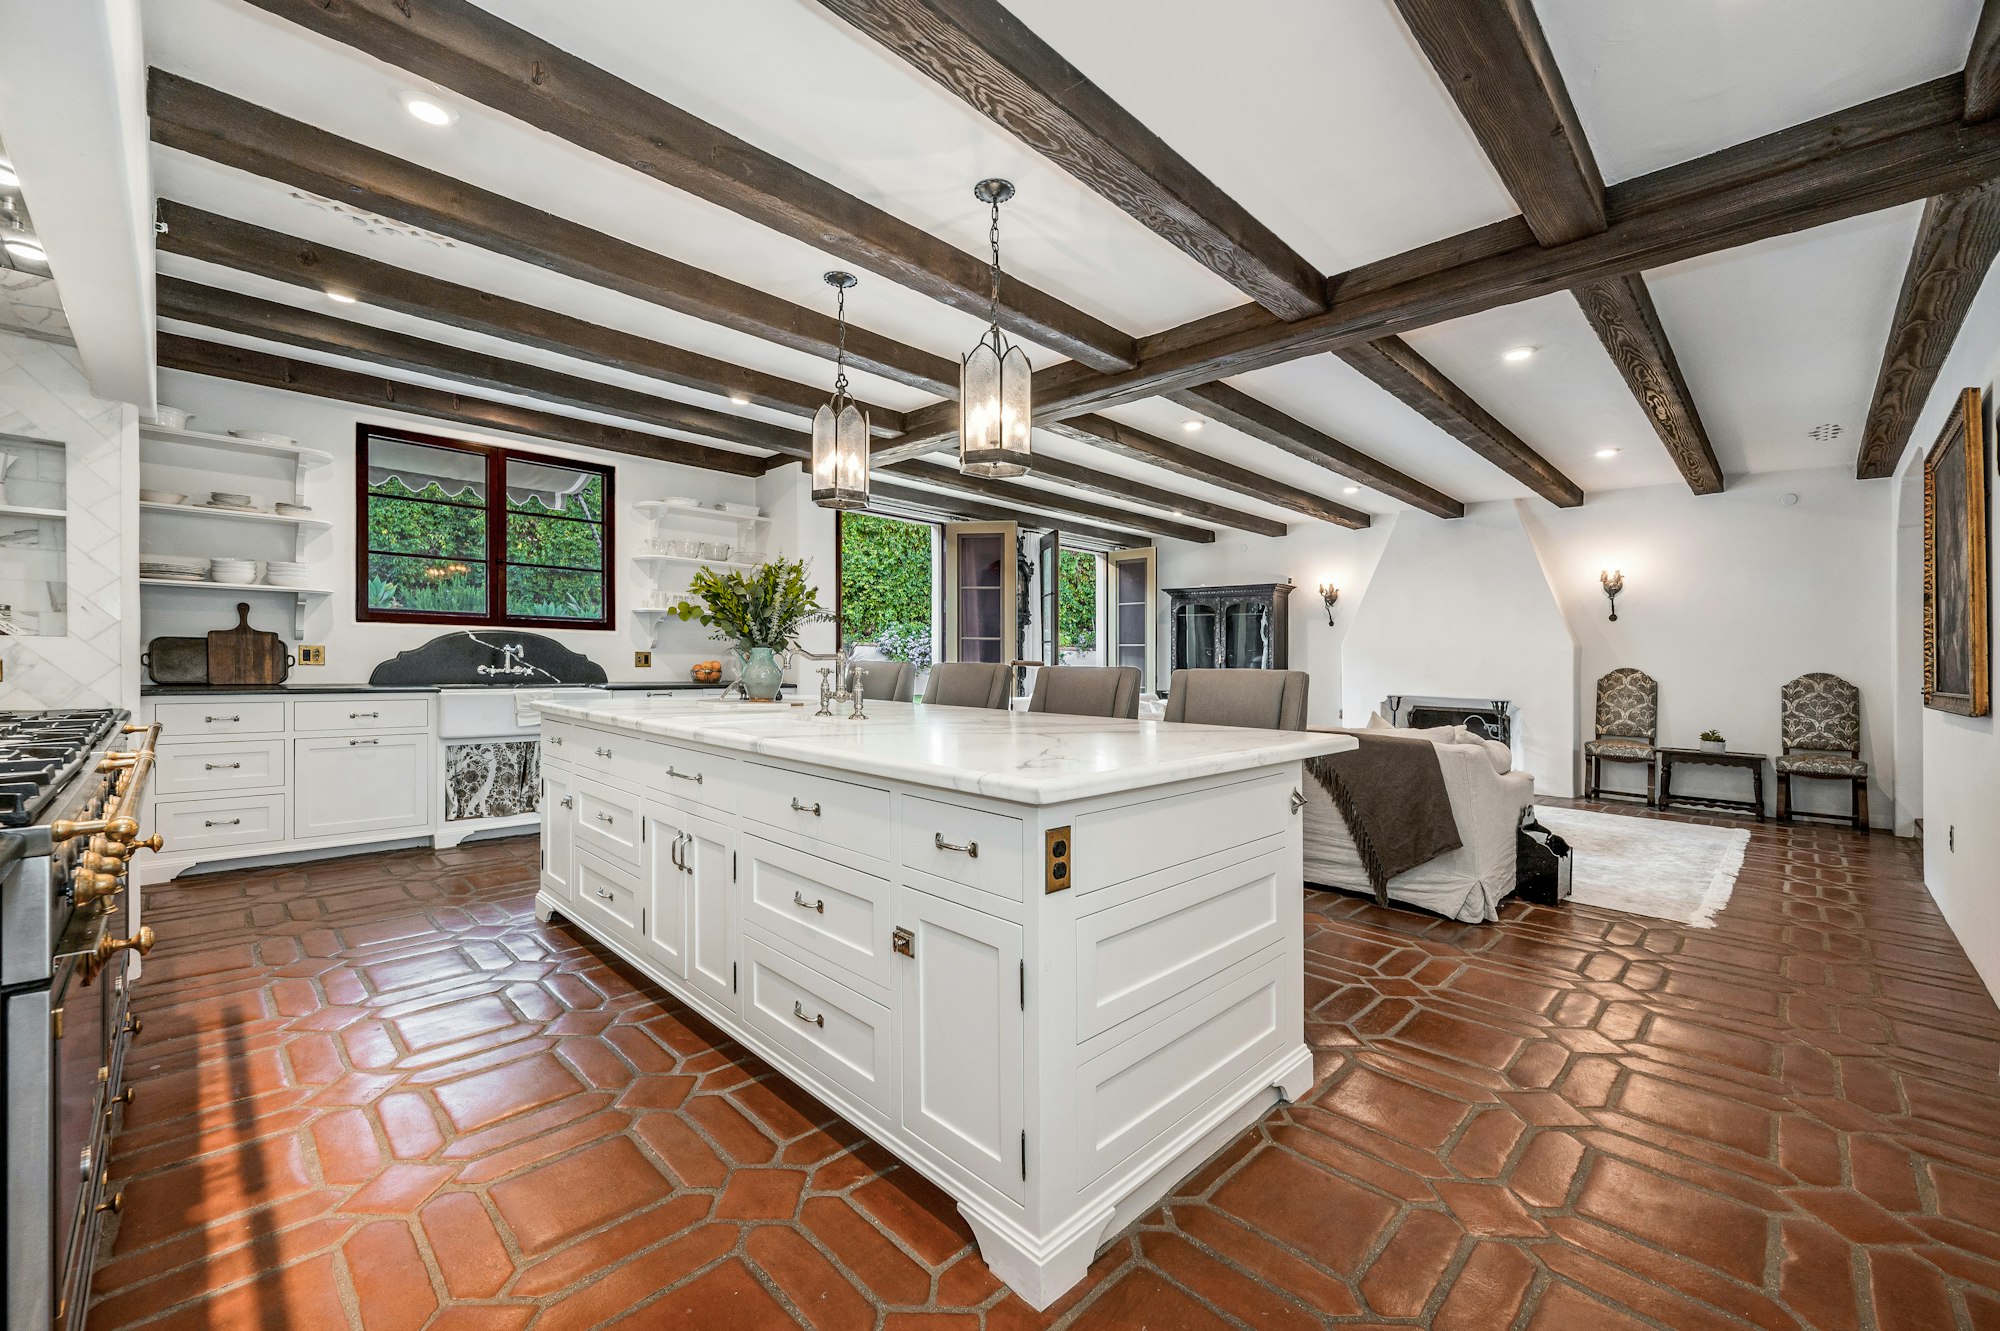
1713 742
760 611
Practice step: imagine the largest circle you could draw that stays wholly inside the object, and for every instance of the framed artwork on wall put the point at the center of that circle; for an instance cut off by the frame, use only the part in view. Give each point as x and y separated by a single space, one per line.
1956 621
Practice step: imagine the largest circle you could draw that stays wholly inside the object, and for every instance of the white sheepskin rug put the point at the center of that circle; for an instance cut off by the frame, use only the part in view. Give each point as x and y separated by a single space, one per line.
1643 866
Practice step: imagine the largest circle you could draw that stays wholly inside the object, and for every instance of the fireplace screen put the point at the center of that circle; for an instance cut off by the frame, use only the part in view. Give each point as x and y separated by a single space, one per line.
1494 719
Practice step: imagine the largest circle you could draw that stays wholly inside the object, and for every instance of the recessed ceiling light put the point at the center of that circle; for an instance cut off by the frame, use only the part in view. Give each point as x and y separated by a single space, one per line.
740 399
1515 355
428 109
1609 452
340 297
8 179
1352 490
1190 425
27 249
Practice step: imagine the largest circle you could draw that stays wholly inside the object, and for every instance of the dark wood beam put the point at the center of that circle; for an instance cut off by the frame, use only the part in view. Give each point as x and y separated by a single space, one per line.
196 356
1497 66
1016 495
892 499
459 46
1982 66
210 124
1394 365
310 330
1107 434
1239 411
1138 492
195 234
982 54
1621 310
1956 245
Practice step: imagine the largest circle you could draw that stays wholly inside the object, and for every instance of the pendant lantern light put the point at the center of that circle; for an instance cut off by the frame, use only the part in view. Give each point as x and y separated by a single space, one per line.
993 384
840 428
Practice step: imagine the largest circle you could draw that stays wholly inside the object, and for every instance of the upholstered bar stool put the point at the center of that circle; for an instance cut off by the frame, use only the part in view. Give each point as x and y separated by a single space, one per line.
1265 699
969 684
1819 720
887 681
1087 691
1628 727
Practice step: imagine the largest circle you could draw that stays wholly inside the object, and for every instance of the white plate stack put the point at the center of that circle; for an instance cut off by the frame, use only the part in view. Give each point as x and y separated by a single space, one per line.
173 568
235 572
285 573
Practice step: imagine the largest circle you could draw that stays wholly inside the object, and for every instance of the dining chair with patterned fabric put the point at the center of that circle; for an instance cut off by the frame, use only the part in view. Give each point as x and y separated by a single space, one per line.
1628 727
1819 723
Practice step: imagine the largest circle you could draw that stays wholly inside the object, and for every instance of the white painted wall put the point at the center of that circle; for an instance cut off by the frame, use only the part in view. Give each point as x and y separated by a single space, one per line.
354 648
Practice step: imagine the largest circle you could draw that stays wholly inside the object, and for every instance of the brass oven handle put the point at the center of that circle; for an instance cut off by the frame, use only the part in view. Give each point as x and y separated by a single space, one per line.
684 776
211 720
799 900
799 1011
970 849
812 808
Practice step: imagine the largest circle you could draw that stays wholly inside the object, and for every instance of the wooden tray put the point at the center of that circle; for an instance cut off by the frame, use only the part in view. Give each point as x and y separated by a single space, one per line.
246 656
176 660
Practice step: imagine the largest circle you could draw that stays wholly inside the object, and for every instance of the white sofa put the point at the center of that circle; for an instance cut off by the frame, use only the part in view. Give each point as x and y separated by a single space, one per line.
1466 884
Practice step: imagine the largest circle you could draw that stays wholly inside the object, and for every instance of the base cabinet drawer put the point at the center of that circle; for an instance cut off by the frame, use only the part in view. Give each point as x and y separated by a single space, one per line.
608 821
361 713
381 783
213 718
836 813
826 910
836 1031
969 846
225 823
609 894
193 769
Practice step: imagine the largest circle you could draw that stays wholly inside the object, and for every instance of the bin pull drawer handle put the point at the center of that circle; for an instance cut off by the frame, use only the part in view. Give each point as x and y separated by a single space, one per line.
221 822
799 900
684 776
220 767
812 808
970 849
211 720
799 1011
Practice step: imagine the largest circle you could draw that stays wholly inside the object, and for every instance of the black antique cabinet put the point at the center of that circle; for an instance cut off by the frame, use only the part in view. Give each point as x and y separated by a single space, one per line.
1241 628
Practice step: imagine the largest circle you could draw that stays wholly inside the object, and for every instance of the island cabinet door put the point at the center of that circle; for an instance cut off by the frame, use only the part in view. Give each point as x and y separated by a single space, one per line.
558 832
667 874
959 1007
708 851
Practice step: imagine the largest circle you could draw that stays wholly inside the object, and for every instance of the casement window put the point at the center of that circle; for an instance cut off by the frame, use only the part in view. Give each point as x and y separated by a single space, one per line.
452 532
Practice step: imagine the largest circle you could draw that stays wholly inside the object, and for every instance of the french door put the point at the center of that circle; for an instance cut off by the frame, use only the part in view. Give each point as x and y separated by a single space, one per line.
980 620
1049 571
1129 608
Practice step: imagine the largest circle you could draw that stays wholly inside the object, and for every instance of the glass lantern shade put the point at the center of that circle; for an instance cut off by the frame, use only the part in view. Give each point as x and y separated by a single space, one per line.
994 416
840 457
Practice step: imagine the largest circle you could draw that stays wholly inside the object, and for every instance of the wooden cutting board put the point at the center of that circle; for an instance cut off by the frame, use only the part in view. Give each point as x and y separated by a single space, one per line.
244 655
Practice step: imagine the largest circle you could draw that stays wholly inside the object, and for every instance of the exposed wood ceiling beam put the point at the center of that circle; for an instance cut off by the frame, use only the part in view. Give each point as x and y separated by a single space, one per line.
1049 501
1982 66
195 234
1621 311
457 45
1138 492
212 307
1238 410
297 376
1394 365
1497 66
1956 245
1105 433
984 55
192 118
894 499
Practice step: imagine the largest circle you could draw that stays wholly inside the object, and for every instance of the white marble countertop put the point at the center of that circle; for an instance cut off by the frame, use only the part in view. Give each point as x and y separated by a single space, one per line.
1028 758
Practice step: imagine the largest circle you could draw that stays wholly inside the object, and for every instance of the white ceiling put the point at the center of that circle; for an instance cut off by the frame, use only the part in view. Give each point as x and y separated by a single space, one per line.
1323 120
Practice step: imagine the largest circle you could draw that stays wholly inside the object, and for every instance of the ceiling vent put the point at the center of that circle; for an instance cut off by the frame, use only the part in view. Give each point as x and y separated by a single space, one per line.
1825 434
373 223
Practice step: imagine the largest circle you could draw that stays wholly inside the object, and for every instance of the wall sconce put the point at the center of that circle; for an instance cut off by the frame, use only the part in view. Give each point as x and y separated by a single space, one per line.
1614 583
1329 593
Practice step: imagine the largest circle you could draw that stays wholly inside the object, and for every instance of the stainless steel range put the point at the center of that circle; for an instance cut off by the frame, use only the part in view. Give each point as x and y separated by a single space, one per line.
67 800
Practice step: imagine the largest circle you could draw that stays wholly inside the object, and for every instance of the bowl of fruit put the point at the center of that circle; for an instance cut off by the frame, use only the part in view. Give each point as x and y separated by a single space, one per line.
706 672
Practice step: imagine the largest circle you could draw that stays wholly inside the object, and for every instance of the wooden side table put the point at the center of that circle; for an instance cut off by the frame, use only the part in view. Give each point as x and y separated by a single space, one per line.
1753 763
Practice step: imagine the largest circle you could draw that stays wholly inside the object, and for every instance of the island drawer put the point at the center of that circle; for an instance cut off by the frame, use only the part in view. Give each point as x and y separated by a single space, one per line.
1119 844
559 741
361 713
608 822
213 718
614 757
830 911
835 1031
839 813
230 821
611 892
967 846
706 778
190 769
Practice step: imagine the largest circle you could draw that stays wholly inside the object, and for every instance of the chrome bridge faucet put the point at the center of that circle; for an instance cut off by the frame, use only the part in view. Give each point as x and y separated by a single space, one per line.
513 661
845 685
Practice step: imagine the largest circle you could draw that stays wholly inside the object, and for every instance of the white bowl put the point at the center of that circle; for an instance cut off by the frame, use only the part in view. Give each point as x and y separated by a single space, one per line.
264 436
162 496
233 578
227 497
292 510
170 418
285 580
740 510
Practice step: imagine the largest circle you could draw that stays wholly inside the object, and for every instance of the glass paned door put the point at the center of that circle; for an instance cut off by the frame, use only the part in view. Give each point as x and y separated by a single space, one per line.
1048 568
1246 635
1129 636
980 621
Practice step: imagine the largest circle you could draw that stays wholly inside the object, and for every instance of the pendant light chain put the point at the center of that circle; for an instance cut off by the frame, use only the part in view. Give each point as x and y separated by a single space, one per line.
840 353
993 292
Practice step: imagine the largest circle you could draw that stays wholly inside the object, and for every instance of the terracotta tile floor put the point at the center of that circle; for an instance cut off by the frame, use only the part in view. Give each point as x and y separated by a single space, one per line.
375 1093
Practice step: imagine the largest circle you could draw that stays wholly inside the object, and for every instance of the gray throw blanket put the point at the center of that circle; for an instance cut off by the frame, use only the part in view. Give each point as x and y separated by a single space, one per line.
1391 793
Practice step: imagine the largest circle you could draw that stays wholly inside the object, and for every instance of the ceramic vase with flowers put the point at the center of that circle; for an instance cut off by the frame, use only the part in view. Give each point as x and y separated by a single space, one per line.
759 612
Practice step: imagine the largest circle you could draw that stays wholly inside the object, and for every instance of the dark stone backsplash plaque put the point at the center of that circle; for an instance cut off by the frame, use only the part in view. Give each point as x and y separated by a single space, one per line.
455 658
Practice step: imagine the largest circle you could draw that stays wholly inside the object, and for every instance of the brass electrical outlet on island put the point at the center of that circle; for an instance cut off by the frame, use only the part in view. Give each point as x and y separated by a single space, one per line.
1055 845
642 660
312 655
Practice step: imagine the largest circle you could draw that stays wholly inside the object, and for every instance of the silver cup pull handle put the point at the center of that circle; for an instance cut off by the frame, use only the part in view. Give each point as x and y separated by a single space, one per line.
970 849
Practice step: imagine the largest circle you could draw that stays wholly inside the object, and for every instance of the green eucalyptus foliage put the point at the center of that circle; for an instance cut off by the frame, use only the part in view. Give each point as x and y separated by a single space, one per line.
765 607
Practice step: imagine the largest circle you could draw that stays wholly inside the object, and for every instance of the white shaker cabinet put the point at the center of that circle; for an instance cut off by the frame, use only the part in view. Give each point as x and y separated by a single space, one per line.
346 785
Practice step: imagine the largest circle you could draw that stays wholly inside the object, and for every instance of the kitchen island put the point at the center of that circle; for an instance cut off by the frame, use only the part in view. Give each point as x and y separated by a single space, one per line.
1051 962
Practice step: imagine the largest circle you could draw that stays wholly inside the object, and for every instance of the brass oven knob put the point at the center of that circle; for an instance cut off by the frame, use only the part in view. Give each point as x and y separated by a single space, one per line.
140 942
152 843
134 730
89 887
126 1096
114 1203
